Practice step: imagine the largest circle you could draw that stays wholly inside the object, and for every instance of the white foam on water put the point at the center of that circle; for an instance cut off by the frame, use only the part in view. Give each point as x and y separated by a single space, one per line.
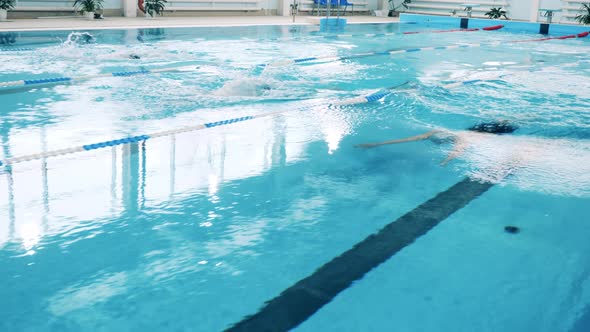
550 166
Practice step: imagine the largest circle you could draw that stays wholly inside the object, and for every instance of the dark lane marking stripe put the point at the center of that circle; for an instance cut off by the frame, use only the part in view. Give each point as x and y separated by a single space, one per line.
464 23
583 323
298 302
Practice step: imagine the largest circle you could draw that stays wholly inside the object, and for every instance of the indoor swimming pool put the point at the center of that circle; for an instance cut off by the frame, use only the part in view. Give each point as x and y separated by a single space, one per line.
215 178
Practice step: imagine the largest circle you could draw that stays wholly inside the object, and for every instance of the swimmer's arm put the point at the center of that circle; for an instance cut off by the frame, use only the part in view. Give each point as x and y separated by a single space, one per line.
403 140
458 149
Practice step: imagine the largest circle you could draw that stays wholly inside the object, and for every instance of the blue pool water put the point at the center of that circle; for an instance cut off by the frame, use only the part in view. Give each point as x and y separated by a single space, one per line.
197 231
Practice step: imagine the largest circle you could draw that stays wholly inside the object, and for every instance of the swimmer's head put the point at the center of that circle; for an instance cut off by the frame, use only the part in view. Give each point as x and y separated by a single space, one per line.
494 127
88 38
244 87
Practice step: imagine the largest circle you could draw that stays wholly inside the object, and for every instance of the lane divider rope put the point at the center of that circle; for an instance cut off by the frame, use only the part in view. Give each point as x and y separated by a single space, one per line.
16 49
387 34
20 49
139 138
469 81
331 58
61 80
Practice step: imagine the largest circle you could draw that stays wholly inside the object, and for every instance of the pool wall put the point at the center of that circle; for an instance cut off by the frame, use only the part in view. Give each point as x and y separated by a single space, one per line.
509 26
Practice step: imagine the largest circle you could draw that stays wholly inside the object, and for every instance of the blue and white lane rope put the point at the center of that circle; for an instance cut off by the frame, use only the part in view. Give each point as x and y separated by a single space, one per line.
375 96
331 58
16 49
61 80
465 82
387 34
378 35
470 81
485 77
135 139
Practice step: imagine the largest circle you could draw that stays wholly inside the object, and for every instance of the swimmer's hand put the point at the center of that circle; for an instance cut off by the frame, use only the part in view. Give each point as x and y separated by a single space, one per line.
459 148
452 156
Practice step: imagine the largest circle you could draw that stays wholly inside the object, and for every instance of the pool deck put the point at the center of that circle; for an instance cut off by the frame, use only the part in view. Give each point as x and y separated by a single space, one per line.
142 22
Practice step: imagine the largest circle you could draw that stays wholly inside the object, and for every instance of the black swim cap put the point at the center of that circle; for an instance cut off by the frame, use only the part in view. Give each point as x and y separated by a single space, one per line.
496 127
511 229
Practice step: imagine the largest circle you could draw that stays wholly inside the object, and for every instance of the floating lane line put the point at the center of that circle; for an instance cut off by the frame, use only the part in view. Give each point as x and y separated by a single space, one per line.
22 49
135 139
330 58
470 81
64 80
388 34
461 83
16 49
485 77
579 35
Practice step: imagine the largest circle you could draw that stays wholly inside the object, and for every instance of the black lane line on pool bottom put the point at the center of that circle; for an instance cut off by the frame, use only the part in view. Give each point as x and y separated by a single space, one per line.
464 23
298 302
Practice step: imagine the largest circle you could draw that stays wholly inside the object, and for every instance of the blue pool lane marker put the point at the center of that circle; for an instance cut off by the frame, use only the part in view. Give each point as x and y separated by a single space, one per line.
300 301
226 122
471 81
62 80
127 140
135 139
16 49
47 80
131 73
332 58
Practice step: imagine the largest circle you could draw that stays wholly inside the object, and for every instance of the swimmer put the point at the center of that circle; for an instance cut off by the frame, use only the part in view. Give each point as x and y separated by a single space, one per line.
134 56
88 38
79 38
244 87
460 139
7 38
556 166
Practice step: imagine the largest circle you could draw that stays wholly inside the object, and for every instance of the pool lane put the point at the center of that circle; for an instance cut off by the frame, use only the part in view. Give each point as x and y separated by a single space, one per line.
300 301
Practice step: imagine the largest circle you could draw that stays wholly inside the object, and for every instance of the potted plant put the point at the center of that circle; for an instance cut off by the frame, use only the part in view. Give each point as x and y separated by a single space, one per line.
584 18
393 9
154 7
88 7
496 13
5 5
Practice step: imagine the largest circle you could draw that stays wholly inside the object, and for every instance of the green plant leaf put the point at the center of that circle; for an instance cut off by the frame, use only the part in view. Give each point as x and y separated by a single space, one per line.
7 4
585 17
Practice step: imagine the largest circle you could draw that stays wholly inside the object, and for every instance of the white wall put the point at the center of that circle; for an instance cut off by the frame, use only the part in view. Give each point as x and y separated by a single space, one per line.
526 10
551 4
521 9
372 4
112 4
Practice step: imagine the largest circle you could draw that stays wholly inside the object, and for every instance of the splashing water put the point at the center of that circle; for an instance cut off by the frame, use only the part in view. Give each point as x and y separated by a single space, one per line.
244 87
77 38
